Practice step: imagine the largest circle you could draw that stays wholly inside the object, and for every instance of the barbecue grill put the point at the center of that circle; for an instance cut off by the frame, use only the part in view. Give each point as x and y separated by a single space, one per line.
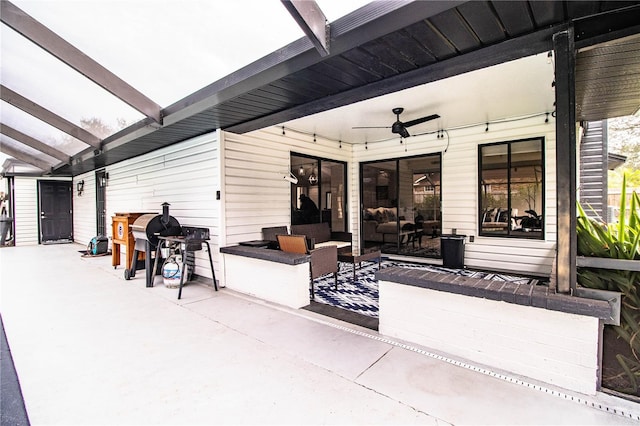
146 229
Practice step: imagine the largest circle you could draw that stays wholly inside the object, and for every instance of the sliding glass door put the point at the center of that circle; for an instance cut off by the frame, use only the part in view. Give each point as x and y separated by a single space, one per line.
401 211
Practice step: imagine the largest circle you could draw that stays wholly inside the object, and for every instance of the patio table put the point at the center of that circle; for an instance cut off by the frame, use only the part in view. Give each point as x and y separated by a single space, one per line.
363 256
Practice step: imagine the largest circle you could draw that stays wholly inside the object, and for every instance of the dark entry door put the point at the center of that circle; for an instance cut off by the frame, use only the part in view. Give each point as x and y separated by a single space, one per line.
101 209
55 211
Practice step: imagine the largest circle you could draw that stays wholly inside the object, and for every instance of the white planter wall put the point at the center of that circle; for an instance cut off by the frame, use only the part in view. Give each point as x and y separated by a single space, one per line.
280 283
549 346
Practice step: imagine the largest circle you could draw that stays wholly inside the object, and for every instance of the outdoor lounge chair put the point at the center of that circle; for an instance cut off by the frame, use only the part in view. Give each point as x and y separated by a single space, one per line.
324 260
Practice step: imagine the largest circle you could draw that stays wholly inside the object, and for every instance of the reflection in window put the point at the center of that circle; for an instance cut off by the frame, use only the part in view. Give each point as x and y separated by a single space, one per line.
402 205
319 195
511 189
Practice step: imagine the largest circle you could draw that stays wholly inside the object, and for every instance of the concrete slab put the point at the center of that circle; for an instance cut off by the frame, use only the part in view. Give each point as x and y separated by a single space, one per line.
92 348
462 396
293 332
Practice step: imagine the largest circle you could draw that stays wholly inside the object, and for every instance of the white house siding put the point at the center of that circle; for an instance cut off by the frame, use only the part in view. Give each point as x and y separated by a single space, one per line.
254 192
186 175
27 216
460 190
84 208
26 210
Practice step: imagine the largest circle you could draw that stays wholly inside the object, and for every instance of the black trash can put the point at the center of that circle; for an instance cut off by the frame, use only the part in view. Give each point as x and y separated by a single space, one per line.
6 223
452 249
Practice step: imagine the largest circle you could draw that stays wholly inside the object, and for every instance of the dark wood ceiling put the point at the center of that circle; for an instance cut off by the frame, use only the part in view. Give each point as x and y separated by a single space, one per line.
385 47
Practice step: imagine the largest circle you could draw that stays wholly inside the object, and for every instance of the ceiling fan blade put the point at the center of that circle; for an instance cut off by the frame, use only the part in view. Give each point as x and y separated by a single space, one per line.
421 120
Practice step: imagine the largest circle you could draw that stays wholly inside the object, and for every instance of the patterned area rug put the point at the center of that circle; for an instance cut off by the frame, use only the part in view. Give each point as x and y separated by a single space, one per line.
361 295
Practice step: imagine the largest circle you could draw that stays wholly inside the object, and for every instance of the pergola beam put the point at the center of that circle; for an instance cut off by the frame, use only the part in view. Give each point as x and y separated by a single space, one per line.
310 18
48 40
33 143
48 117
22 156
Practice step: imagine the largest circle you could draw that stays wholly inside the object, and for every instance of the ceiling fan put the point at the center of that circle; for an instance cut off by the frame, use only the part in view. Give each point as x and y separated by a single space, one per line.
399 127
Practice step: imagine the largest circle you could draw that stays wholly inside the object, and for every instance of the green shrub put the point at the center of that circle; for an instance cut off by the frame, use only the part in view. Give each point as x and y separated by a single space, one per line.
616 241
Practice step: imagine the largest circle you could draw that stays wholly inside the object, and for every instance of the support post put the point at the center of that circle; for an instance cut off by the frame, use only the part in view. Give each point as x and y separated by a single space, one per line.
564 51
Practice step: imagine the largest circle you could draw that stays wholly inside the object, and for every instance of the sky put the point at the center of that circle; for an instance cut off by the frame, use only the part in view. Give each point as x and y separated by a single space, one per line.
166 49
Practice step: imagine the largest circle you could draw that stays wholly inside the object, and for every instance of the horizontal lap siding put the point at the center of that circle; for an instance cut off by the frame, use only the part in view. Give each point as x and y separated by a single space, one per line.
84 209
593 170
460 190
255 193
186 175
26 211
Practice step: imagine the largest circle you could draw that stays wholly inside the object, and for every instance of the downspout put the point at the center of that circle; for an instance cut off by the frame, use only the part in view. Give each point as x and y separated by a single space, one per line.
564 52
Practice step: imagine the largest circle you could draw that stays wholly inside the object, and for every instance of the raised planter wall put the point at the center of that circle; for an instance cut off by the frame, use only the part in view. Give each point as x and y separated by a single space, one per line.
541 343
270 275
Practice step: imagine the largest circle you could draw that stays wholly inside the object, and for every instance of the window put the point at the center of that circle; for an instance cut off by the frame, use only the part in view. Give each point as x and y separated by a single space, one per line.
319 195
512 189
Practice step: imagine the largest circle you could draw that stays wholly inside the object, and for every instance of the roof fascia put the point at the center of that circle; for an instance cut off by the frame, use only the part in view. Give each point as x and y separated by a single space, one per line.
607 26
368 23
48 117
51 42
22 174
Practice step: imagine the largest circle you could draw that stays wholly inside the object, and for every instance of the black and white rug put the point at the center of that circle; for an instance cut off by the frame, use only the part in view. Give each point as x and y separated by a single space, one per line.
361 295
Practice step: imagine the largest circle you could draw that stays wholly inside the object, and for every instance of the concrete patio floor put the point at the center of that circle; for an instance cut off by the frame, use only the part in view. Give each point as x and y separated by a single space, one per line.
91 348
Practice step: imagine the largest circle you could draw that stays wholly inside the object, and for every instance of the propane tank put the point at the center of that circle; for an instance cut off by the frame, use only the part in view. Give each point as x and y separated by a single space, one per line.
172 271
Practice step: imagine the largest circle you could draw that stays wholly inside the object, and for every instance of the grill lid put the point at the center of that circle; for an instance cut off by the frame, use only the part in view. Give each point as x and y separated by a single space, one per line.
150 226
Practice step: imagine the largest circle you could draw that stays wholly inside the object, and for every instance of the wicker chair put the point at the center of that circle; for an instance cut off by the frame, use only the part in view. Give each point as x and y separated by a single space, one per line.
324 260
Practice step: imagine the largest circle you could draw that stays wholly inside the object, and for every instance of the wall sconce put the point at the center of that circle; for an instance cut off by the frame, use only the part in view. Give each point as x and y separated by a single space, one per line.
104 179
80 187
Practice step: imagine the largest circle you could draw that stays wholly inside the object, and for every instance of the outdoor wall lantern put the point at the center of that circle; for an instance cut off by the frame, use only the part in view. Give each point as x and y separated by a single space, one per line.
80 187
